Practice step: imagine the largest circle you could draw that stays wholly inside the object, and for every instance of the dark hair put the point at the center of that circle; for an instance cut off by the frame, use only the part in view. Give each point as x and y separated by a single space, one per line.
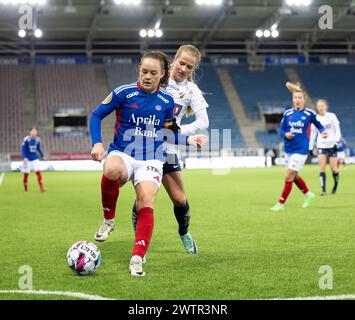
165 65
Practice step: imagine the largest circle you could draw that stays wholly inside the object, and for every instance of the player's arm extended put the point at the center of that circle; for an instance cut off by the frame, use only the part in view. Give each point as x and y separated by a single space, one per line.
171 135
39 150
24 150
283 127
319 126
101 112
313 137
201 123
337 130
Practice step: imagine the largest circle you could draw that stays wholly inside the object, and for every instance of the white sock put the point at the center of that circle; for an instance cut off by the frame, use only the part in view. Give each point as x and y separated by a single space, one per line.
110 221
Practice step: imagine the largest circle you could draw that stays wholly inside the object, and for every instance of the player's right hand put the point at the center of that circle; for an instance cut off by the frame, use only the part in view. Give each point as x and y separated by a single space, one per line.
289 135
198 140
98 152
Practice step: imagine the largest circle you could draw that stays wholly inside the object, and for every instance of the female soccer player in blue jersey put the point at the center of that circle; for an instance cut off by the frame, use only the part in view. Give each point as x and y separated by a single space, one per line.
189 98
30 151
143 110
295 129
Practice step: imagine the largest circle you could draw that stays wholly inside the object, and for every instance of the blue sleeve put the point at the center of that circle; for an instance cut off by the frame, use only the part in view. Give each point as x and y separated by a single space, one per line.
283 127
24 149
317 123
111 103
39 150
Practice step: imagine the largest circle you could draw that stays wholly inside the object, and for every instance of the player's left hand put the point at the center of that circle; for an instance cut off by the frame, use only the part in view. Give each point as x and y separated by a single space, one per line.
44 159
198 140
324 134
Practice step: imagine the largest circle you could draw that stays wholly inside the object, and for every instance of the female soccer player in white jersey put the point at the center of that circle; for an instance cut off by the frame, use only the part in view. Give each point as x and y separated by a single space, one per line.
189 99
143 110
294 128
327 147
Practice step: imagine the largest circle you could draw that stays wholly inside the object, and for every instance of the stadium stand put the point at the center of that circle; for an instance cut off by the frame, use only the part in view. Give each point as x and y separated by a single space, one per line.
336 84
11 108
120 74
76 86
220 113
64 86
257 86
268 140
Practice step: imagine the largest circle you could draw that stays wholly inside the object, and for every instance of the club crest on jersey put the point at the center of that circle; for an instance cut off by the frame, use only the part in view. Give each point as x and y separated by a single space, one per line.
158 107
107 99
181 95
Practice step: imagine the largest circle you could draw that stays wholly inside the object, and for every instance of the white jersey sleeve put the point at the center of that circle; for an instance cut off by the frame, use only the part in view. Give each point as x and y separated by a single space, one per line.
331 124
313 136
201 123
198 101
337 130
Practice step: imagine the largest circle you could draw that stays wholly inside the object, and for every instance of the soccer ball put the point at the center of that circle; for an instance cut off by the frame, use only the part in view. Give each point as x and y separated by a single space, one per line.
84 257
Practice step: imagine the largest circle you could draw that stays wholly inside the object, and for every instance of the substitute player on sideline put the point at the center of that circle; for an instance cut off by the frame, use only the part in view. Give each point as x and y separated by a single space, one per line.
143 109
295 129
327 147
189 98
30 150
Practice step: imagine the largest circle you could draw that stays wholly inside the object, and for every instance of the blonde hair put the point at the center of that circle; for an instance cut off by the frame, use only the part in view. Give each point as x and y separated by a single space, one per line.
194 52
295 87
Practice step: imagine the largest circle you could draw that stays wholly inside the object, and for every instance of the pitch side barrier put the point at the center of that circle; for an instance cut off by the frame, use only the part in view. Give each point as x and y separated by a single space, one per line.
225 59
189 159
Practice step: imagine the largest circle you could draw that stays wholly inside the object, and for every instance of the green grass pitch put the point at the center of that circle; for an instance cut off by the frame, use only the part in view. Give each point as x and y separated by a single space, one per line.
246 251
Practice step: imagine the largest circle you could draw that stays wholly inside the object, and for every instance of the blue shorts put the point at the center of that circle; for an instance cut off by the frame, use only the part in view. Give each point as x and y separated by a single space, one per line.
171 164
329 152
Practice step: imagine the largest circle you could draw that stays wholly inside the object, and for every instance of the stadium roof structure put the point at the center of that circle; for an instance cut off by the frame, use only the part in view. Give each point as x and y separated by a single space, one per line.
101 27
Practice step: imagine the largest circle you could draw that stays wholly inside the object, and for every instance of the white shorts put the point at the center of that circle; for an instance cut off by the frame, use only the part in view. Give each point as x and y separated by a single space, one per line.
140 170
295 161
341 155
30 166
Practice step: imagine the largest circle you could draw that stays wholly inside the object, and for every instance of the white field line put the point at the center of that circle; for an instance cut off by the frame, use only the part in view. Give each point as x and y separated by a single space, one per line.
2 175
95 297
339 297
58 293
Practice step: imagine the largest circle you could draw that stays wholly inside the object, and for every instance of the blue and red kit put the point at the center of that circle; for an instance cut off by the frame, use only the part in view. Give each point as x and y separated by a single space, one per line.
141 122
299 122
31 148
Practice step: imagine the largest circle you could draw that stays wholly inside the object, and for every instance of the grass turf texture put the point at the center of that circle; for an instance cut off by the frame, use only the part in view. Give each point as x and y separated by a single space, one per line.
246 251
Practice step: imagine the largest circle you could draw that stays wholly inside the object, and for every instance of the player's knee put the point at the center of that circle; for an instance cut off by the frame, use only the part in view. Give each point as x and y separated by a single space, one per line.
291 176
144 200
111 171
179 200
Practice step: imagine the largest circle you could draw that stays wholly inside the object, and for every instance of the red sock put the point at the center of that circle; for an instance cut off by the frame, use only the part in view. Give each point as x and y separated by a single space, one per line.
25 181
301 185
145 225
109 194
40 181
286 191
